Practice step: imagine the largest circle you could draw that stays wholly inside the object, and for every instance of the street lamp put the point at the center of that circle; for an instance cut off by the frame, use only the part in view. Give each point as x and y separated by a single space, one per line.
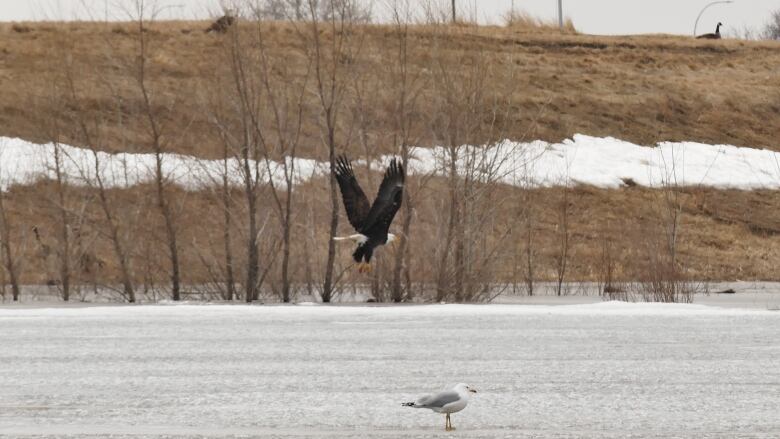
560 14
702 12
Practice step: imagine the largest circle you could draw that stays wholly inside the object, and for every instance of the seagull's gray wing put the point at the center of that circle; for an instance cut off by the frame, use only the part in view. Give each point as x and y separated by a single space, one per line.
438 400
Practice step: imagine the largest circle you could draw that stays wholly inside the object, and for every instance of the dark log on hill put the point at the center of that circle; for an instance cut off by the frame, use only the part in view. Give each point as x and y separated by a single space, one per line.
222 24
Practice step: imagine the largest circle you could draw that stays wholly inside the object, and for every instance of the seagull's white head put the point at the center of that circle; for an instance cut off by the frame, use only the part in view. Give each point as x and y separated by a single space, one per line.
465 388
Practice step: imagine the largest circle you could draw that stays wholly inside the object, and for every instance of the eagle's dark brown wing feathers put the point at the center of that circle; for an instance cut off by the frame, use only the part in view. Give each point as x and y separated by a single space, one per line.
387 202
355 201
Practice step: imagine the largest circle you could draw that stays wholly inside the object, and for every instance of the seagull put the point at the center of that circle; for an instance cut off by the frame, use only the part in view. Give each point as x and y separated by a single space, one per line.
449 401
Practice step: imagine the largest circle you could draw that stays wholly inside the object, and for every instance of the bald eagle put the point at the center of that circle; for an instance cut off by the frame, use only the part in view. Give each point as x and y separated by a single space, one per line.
371 222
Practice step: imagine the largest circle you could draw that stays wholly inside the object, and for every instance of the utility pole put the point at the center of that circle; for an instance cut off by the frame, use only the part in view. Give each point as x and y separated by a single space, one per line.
453 11
560 14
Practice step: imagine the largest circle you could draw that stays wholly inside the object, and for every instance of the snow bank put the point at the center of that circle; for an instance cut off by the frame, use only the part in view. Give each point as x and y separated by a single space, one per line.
602 162
613 308
23 162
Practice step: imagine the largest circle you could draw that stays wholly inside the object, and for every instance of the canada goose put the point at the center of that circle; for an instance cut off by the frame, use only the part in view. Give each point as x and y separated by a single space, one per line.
715 36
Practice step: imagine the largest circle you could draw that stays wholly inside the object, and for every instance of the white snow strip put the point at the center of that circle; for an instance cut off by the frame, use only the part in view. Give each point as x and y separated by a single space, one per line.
602 162
23 162
596 309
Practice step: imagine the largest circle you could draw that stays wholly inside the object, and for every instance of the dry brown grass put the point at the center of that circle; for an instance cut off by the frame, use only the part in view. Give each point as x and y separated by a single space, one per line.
726 235
640 88
522 21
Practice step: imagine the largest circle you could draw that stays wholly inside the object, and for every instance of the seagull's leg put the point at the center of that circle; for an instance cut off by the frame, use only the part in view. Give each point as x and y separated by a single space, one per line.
447 423
451 427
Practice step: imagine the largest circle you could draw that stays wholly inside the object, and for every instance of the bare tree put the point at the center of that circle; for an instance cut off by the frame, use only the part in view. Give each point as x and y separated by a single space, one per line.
262 123
155 133
51 126
230 280
525 247
331 62
465 114
407 90
248 146
85 127
9 255
772 28
60 204
285 100
325 10
563 232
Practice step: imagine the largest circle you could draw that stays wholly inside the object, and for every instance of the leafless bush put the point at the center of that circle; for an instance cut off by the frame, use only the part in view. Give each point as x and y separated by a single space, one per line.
607 283
658 279
522 20
772 28
660 275
356 11
470 239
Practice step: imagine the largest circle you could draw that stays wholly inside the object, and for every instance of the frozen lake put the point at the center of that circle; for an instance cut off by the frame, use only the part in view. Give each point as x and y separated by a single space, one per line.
609 369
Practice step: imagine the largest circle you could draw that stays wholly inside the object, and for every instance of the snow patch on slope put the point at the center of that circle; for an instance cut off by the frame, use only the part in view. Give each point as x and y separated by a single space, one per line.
602 162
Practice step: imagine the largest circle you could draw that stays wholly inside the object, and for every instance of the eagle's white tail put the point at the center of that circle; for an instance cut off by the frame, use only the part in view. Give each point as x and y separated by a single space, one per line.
358 237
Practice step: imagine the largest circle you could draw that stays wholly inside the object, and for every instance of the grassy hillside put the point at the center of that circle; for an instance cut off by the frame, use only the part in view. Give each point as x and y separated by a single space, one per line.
643 88
78 83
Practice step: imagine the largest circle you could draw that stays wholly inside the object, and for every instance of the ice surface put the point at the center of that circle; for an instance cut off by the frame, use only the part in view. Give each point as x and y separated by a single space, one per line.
596 370
603 162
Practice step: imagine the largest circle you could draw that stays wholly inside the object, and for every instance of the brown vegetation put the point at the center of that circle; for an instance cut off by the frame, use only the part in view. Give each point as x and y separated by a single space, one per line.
266 90
726 235
642 88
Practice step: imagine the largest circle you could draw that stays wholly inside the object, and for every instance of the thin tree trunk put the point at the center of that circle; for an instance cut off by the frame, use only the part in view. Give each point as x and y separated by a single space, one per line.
230 279
10 262
403 128
156 138
286 255
443 289
400 255
327 288
64 227
170 229
253 256
119 250
563 249
113 227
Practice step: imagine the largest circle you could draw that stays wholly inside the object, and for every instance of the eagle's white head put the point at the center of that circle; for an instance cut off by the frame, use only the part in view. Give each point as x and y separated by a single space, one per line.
391 238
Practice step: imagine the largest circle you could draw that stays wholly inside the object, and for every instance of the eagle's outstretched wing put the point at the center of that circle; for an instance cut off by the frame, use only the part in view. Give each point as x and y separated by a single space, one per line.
355 201
388 200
